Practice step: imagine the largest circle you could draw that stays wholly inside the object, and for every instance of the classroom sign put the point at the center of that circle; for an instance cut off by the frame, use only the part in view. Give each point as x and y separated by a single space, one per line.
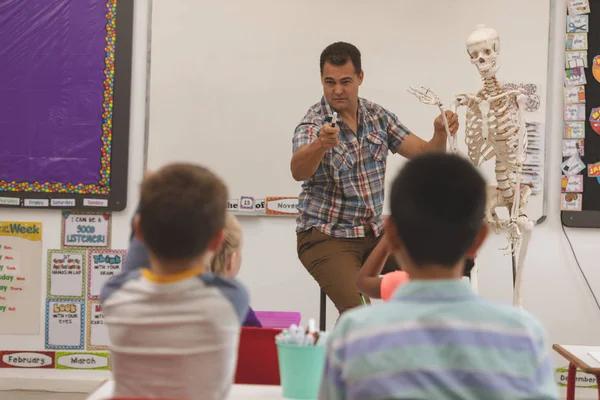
97 332
102 265
66 274
582 380
20 277
86 230
282 206
26 359
82 360
65 324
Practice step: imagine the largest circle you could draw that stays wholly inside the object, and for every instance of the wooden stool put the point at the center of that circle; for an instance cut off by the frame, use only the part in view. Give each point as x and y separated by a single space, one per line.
579 357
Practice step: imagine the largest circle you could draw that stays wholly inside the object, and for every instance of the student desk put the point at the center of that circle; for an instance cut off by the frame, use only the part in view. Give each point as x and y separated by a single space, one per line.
579 358
237 392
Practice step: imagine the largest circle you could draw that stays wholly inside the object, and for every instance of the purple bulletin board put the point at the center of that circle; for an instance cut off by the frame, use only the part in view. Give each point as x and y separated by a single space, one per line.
65 72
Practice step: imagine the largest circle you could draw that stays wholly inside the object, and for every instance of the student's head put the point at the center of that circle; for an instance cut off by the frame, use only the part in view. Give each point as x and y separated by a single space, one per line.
341 75
437 214
181 214
228 259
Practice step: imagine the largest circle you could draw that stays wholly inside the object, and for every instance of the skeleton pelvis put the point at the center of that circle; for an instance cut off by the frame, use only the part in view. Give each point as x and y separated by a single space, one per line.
495 200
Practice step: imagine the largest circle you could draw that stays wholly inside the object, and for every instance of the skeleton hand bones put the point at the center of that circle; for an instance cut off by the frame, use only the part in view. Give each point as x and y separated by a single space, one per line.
426 96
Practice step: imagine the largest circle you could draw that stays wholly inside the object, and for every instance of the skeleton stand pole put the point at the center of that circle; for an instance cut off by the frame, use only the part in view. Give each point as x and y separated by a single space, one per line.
514 264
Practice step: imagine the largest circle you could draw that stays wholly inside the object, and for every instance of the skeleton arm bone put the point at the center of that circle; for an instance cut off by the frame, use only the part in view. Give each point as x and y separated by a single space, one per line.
451 137
521 144
459 100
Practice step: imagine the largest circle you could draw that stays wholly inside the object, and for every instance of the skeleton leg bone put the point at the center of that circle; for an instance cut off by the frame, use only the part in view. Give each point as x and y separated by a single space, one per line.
526 228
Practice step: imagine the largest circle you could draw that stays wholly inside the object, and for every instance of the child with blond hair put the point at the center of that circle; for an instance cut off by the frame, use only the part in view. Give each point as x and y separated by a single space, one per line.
228 259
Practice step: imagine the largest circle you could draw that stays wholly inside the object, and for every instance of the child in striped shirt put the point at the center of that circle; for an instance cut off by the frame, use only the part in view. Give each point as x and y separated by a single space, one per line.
436 338
173 325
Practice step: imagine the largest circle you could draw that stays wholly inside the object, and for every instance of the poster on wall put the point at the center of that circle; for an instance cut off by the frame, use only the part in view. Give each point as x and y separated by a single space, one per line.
97 332
86 230
66 274
65 324
102 265
20 277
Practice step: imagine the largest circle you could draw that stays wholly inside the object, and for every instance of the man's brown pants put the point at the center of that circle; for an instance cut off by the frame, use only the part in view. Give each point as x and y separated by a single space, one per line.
334 263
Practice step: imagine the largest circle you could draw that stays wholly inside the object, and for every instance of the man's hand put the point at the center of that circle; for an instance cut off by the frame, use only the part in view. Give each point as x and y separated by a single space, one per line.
328 136
438 125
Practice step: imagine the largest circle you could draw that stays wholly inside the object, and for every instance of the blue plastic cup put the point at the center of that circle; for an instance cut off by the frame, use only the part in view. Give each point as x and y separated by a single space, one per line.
300 370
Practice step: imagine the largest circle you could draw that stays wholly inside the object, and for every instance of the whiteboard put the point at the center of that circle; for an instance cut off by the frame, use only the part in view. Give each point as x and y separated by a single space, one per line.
231 79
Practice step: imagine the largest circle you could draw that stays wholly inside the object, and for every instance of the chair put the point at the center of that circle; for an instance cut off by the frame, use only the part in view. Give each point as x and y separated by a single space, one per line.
278 319
257 362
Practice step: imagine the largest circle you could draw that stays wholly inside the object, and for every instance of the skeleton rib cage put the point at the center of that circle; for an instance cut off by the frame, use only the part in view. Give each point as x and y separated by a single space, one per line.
500 138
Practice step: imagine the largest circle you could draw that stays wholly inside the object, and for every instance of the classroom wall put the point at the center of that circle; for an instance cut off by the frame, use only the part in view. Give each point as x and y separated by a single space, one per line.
58 380
554 290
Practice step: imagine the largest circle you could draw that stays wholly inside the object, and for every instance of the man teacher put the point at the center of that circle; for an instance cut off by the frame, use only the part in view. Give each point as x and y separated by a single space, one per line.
342 167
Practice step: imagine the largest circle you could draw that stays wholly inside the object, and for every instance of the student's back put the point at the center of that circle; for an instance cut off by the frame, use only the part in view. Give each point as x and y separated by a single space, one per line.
440 341
176 337
435 338
173 327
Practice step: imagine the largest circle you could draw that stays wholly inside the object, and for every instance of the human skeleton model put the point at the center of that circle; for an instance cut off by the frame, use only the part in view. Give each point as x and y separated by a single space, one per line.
495 127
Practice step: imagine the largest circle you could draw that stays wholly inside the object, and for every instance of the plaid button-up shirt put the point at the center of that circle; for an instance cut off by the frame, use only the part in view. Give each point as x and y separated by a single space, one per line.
346 192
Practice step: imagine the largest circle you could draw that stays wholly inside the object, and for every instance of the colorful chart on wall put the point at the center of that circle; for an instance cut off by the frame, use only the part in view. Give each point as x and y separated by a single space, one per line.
20 277
580 202
65 72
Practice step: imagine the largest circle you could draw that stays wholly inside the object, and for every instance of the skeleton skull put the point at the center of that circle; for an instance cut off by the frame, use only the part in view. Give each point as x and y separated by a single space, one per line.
483 46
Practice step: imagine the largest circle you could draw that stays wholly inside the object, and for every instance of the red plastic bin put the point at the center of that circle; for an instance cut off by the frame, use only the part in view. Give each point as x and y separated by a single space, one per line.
257 357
